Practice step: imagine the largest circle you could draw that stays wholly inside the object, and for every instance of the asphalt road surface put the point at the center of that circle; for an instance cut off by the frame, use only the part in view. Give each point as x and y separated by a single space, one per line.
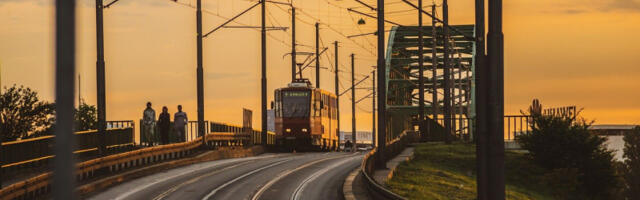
296 176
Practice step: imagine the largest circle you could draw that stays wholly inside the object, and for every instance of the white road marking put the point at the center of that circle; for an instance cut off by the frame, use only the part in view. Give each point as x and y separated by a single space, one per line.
174 188
257 195
301 187
147 185
213 192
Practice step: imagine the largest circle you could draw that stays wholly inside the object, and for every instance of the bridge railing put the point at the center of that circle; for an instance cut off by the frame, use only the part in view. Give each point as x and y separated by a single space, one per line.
191 132
515 125
117 163
35 152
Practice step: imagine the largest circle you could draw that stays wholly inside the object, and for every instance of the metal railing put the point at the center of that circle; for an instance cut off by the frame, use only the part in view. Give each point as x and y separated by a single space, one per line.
121 124
36 152
516 125
118 163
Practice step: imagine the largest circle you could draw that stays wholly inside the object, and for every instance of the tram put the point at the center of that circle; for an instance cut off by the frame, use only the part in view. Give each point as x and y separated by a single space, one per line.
305 117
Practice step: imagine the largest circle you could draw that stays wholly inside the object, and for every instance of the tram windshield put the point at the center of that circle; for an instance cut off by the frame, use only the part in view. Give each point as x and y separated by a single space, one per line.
295 103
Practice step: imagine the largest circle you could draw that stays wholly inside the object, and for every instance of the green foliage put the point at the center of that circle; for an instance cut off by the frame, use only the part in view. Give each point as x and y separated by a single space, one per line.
86 117
632 163
23 114
440 171
580 165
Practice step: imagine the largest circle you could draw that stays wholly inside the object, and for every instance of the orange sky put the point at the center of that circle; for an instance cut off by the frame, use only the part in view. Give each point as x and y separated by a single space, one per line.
572 52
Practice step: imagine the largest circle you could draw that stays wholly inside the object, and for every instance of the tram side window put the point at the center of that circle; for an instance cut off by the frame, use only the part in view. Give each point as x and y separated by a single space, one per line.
277 104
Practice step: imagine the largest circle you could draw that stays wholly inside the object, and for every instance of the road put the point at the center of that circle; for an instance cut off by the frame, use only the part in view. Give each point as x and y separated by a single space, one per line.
269 176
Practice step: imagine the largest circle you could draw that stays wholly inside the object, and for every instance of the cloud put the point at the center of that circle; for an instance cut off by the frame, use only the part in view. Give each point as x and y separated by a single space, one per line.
630 5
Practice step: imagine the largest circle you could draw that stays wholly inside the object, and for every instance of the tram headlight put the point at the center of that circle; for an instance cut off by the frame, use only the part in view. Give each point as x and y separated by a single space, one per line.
304 130
288 130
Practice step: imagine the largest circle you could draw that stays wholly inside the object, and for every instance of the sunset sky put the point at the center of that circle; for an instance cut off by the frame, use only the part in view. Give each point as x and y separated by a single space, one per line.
571 52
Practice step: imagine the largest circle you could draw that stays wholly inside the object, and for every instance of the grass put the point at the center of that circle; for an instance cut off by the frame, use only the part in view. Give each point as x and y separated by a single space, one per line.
440 171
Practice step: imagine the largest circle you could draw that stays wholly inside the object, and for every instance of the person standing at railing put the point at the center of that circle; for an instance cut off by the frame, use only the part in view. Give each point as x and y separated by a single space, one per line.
149 124
164 124
180 121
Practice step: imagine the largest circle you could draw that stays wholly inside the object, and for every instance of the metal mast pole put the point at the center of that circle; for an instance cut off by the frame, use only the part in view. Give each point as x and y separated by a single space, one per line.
79 92
293 43
447 75
480 75
495 53
353 103
373 108
263 40
317 55
200 73
421 117
64 163
382 88
100 73
434 64
337 88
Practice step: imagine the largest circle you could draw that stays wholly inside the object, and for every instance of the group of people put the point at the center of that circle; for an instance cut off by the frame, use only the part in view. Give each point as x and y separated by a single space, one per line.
163 125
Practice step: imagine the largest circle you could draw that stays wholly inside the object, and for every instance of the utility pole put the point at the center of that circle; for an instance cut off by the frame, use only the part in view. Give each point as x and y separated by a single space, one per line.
481 72
337 88
434 65
199 73
317 55
373 108
79 92
64 162
382 117
353 103
447 75
293 43
421 117
100 73
263 39
495 53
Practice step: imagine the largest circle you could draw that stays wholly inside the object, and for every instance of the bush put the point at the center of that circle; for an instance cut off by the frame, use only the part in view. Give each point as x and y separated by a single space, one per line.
632 163
86 117
23 114
563 144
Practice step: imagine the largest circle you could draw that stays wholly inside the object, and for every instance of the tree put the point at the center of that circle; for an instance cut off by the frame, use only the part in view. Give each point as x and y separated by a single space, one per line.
563 144
86 117
632 163
23 114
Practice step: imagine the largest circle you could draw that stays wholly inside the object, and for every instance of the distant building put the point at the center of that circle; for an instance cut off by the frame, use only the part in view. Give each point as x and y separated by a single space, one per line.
614 134
610 129
362 137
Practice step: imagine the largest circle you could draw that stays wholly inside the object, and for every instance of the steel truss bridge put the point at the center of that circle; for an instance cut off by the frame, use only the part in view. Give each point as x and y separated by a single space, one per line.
402 72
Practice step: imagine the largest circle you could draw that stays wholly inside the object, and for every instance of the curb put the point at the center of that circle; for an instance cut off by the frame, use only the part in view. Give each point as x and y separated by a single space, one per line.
347 187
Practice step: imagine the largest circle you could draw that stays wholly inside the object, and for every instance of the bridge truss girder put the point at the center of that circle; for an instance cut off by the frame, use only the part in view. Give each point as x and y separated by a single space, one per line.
402 75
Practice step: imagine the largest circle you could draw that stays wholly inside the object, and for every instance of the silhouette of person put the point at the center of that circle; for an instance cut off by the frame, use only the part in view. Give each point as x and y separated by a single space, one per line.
164 125
180 121
149 124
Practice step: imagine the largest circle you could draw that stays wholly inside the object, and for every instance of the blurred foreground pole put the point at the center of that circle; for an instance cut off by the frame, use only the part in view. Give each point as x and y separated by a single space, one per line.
64 163
495 75
481 105
382 89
